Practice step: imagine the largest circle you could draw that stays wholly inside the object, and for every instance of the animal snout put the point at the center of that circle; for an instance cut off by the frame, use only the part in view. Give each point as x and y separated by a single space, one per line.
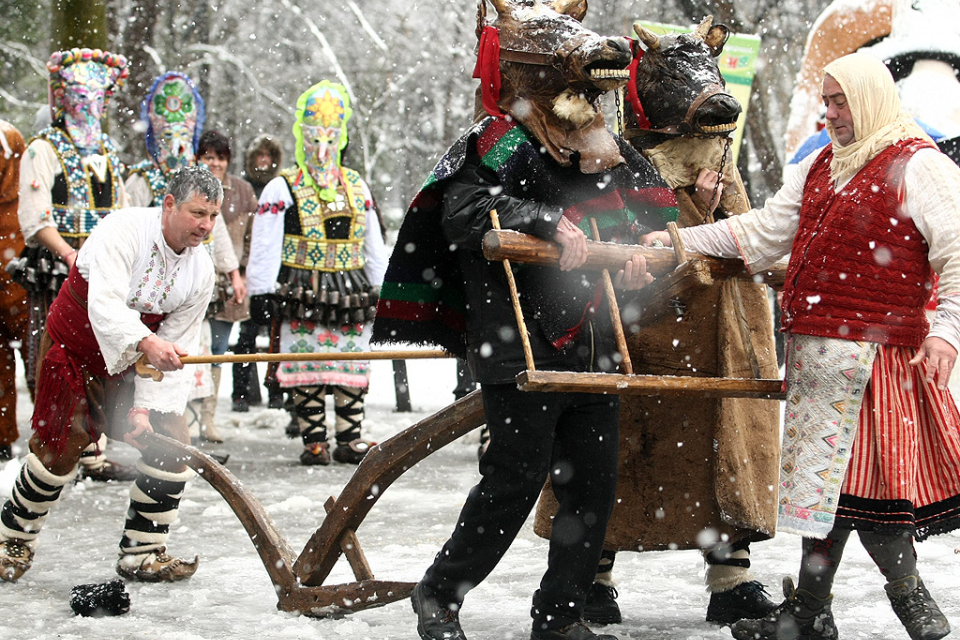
717 115
722 108
620 49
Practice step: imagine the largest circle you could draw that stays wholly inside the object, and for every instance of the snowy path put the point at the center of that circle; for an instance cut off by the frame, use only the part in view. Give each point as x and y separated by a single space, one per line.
231 596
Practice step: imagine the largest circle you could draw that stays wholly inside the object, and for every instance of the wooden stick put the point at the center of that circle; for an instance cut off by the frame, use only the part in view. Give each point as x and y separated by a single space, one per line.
515 297
678 249
614 309
498 245
650 385
350 545
145 370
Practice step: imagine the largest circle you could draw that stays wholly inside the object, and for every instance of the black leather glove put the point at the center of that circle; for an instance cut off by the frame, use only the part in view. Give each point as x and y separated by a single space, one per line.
262 309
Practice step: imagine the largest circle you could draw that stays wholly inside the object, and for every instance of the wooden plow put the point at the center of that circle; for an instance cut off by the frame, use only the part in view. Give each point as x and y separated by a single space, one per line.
299 579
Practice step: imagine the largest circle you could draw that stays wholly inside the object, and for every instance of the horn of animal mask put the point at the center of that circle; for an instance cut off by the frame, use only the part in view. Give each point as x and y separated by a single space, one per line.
576 9
704 28
646 36
502 6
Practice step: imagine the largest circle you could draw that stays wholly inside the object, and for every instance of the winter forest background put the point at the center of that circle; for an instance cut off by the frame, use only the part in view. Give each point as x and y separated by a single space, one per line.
407 64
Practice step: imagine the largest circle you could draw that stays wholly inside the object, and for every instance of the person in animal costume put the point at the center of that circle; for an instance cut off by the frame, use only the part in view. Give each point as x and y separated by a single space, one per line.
540 156
316 263
70 179
715 492
871 435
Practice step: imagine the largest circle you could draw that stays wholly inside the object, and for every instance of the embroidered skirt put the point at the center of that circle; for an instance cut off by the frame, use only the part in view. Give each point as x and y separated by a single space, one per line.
300 336
868 443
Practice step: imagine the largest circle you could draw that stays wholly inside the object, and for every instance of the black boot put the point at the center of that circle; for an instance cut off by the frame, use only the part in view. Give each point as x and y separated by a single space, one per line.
916 609
802 616
601 606
434 620
746 601
575 631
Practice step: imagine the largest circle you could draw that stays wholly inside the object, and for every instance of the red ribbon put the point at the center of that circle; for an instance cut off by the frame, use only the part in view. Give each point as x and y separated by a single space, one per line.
488 70
632 91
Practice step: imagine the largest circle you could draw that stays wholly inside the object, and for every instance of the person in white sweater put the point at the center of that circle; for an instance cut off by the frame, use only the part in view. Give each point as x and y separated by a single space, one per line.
140 287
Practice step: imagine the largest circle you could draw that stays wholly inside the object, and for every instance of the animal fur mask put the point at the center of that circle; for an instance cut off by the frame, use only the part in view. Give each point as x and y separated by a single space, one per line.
539 65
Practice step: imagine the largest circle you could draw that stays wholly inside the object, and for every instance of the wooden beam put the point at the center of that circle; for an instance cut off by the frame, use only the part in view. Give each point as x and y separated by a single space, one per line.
382 465
350 545
612 383
512 245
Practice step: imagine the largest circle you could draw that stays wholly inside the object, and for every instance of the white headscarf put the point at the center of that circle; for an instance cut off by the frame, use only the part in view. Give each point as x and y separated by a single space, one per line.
878 119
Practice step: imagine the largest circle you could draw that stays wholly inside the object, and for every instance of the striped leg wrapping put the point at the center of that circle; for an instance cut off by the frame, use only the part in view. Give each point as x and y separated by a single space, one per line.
95 455
349 409
310 406
34 494
154 503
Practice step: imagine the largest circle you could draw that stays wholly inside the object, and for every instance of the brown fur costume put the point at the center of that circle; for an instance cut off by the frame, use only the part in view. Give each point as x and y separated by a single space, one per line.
687 465
13 299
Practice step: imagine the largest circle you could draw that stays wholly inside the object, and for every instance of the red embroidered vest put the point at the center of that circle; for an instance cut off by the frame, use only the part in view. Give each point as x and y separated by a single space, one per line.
858 268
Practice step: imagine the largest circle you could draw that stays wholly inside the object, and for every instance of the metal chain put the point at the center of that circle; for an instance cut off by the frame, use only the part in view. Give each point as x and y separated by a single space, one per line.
617 98
716 187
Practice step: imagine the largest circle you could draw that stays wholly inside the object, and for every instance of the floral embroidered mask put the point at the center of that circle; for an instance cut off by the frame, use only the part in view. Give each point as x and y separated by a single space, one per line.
174 113
82 101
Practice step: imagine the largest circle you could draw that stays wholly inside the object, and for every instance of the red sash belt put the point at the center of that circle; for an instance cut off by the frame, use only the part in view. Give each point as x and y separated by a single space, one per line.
73 357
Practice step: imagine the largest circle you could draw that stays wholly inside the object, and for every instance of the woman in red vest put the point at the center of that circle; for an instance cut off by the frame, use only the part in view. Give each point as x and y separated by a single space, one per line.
871 433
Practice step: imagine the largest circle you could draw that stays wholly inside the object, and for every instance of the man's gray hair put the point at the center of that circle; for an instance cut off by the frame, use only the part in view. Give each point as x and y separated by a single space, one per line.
195 180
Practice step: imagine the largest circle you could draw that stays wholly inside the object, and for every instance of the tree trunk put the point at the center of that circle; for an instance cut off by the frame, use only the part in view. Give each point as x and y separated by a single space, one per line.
137 38
78 23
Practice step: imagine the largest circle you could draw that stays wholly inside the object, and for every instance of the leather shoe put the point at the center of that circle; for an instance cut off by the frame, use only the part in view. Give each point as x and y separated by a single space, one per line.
435 621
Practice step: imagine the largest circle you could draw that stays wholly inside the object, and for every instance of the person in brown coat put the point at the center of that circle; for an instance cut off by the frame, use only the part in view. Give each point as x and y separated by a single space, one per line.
14 319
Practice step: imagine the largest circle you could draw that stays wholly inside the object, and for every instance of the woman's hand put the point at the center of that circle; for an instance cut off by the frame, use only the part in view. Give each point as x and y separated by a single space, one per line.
940 357
658 238
239 287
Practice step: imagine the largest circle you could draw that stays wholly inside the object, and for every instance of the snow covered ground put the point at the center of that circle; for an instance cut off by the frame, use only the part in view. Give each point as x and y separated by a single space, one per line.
231 596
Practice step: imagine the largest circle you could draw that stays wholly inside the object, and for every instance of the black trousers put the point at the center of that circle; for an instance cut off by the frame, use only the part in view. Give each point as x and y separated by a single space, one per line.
245 374
573 438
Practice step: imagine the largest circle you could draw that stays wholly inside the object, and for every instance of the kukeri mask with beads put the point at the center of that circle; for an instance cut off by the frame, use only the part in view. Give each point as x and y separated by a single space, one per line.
173 112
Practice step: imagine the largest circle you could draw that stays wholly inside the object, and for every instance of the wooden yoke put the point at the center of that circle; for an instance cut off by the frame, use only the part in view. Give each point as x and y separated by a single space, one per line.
681 272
